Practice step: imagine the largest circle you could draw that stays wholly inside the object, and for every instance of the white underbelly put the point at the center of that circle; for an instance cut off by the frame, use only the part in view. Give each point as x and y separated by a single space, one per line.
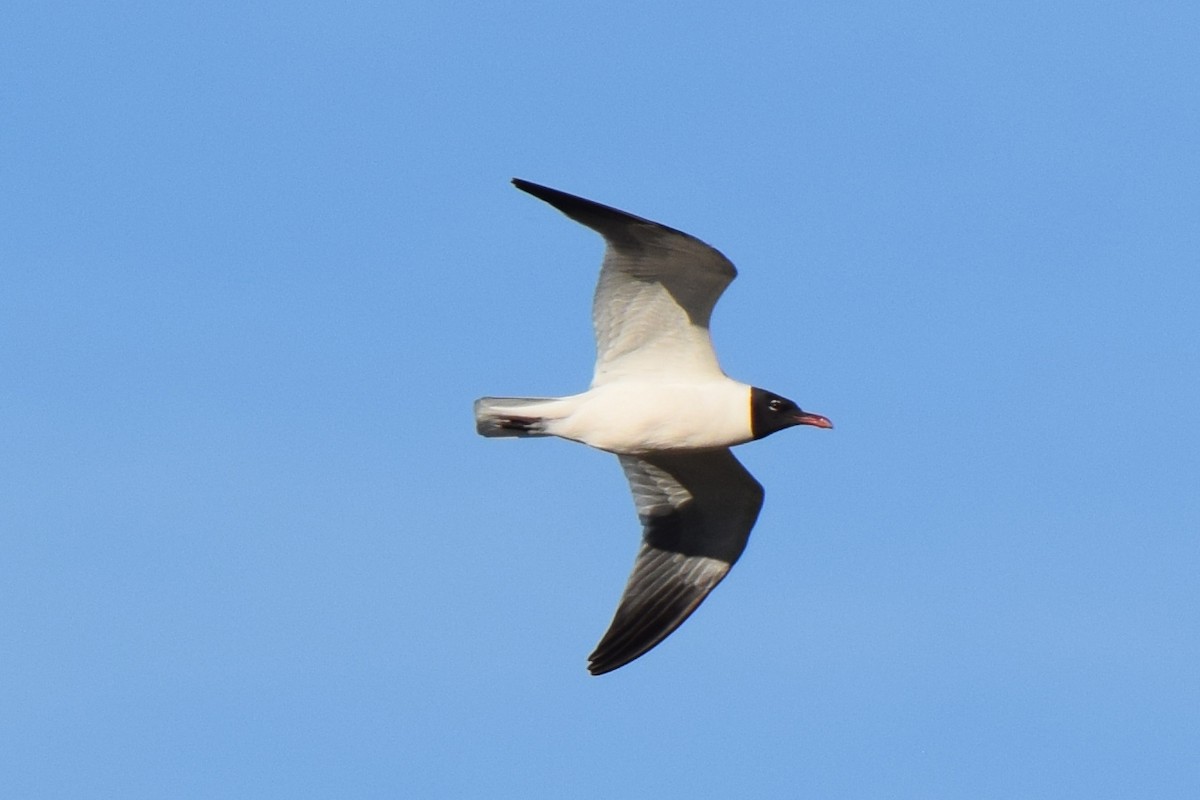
637 418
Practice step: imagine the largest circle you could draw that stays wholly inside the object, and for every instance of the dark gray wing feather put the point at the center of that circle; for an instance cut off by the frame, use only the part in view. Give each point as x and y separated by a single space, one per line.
697 510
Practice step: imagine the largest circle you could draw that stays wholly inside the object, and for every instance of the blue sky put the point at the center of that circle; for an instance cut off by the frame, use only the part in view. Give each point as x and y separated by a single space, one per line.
257 262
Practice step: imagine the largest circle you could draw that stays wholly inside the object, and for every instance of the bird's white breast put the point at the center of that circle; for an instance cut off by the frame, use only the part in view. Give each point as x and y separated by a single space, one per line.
636 417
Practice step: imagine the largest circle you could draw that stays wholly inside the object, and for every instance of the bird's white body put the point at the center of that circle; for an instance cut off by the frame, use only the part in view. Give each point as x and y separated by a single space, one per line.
636 417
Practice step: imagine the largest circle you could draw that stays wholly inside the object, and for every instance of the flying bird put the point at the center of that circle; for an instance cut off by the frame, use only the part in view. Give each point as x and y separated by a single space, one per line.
660 402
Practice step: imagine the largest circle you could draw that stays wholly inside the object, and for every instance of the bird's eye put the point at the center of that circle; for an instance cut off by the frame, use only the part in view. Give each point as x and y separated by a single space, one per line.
775 405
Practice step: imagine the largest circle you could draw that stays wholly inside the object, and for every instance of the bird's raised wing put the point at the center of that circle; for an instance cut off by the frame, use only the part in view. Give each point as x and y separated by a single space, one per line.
656 292
697 509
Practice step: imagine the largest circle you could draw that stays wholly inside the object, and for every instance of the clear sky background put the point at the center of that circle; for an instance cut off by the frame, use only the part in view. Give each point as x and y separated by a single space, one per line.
257 261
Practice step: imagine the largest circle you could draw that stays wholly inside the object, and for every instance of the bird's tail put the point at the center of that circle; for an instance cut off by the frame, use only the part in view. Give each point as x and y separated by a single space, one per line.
513 416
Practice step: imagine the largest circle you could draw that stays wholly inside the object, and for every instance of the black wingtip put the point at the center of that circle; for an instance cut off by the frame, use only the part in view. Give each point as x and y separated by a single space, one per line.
569 204
551 196
572 204
611 223
604 663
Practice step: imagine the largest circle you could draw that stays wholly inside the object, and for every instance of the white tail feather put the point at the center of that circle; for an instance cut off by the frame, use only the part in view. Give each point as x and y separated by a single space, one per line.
511 416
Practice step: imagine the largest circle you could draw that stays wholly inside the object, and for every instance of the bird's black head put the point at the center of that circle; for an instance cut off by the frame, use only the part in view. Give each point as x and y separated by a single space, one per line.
770 413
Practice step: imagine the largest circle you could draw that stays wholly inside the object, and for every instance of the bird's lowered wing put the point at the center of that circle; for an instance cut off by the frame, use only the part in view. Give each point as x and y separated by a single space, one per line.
655 295
697 510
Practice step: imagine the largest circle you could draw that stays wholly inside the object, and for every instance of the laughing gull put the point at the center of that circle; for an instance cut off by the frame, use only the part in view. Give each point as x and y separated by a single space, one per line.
660 402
